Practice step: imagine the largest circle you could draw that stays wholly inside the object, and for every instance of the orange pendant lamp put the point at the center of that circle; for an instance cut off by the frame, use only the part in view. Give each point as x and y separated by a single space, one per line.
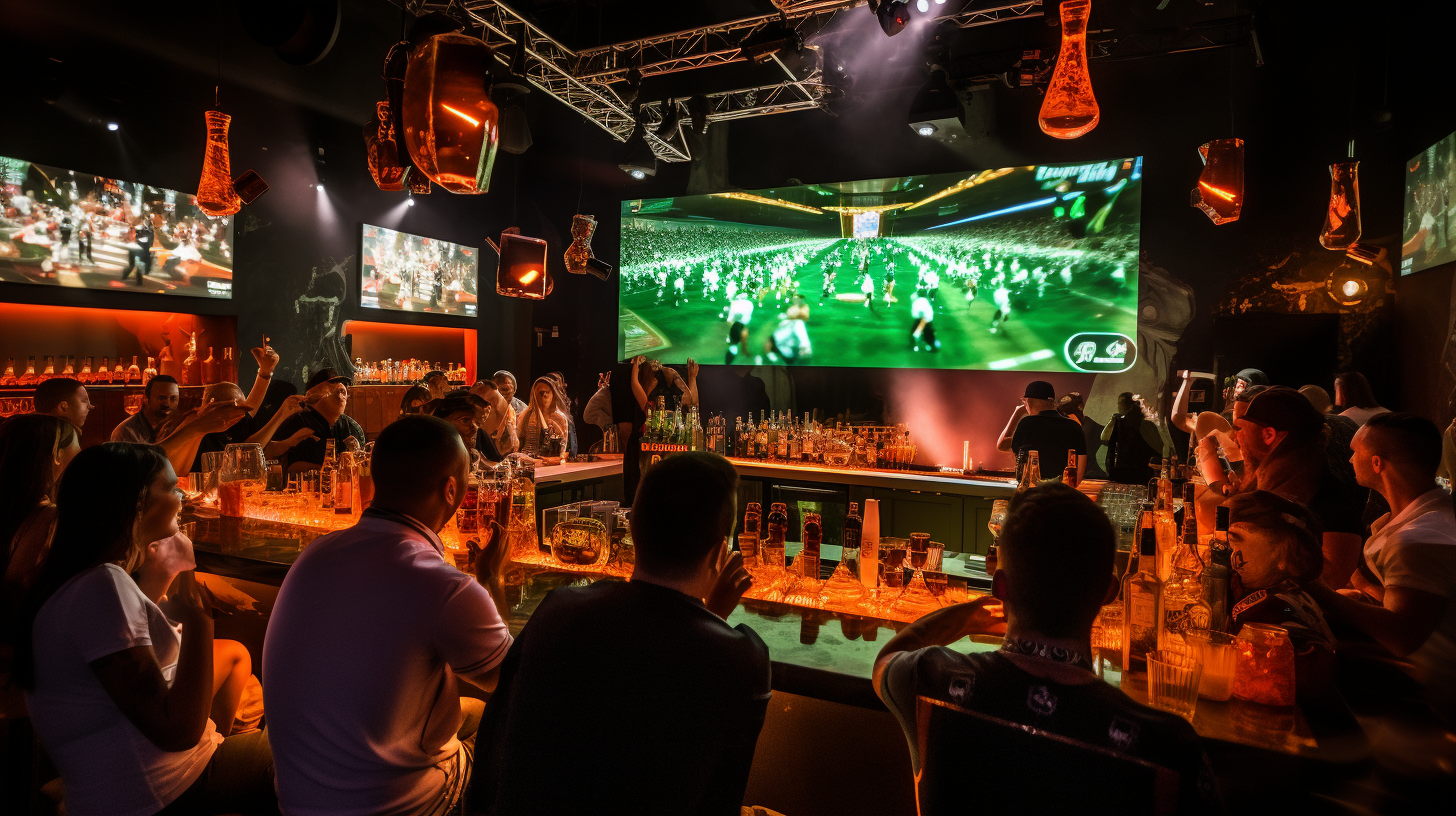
1069 109
382 150
1342 216
215 193
451 127
1220 190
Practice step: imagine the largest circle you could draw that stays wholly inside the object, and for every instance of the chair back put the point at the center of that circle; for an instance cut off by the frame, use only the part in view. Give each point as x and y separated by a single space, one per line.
973 762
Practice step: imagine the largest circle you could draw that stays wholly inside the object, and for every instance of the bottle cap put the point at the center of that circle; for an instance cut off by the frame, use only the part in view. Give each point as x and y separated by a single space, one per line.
1149 545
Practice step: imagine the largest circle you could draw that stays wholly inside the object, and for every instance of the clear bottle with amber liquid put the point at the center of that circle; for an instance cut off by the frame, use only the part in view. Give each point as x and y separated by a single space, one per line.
1142 607
8 379
50 369
149 372
1165 523
29 378
748 536
1069 473
344 484
771 551
118 374
86 376
70 367
327 471
1030 473
133 374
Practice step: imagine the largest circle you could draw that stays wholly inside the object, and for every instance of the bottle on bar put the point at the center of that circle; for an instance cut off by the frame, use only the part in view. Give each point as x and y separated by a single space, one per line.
1142 607
806 444
85 376
344 485
103 374
812 537
209 368
8 379
1219 572
1069 473
1020 464
771 439
70 367
133 374
869 545
29 378
118 376
50 369
149 372
1031 473
850 538
748 536
1189 560
326 476
760 438
796 443
771 551
1165 524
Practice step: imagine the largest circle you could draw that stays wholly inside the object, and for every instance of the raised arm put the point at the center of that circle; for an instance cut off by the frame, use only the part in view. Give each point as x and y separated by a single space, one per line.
267 363
1179 417
290 406
1004 443
637 384
181 443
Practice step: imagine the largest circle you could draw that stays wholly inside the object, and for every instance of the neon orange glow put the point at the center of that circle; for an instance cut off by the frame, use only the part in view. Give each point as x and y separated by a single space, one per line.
1069 109
215 193
398 341
467 117
773 202
530 276
1223 194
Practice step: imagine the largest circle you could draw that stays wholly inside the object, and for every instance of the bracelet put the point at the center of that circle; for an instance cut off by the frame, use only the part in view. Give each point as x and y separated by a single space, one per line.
263 376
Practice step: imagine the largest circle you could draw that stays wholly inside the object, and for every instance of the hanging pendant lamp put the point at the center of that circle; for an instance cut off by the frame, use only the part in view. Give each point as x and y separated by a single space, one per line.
382 152
1220 189
215 193
1342 216
1069 109
451 126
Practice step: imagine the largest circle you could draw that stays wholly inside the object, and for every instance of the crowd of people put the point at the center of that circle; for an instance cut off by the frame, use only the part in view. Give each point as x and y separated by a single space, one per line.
110 647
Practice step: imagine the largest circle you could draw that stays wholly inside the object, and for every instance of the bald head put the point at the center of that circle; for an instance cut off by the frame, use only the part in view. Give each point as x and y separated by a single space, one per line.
222 392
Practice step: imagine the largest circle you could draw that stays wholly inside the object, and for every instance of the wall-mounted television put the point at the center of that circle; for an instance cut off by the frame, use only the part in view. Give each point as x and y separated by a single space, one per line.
1030 268
404 272
63 227
1427 237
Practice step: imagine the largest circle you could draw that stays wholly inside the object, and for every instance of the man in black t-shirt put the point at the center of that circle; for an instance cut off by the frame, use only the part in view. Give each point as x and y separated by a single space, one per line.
635 697
1042 676
1036 426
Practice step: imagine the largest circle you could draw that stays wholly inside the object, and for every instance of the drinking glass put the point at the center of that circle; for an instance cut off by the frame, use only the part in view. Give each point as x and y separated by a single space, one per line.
1217 653
1173 679
132 403
999 508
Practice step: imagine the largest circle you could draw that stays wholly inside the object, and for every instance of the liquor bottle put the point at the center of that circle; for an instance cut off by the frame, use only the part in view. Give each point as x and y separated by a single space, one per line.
8 379
134 374
869 545
149 372
209 369
50 369
1189 559
771 439
1165 524
103 374
1031 473
229 370
344 484
777 528
1020 464
70 367
118 376
738 438
86 376
1218 573
850 539
796 444
760 439
1142 608
748 536
807 443
29 378
1069 473
327 472
812 537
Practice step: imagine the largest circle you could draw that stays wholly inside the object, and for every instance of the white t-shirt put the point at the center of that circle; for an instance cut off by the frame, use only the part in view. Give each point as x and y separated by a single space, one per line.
366 637
109 766
741 311
1362 415
1417 549
920 309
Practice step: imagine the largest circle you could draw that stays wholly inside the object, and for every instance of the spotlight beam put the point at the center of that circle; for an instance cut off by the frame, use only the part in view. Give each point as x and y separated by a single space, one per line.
1041 202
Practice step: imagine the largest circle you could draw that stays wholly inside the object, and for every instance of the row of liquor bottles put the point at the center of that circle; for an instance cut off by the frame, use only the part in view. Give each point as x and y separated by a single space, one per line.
781 437
210 370
404 372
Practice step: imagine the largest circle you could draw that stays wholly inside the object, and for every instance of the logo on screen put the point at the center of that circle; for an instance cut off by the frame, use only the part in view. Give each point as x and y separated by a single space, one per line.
1100 352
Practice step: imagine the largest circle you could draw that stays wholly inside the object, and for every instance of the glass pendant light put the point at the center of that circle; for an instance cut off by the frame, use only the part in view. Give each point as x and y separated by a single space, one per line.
1069 109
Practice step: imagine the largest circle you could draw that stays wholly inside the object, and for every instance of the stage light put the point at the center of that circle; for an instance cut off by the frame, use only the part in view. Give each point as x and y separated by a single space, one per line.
450 72
925 129
667 128
522 270
320 186
1069 109
1342 217
923 6
410 201
936 110
1220 190
112 126
763 44
892 14
638 160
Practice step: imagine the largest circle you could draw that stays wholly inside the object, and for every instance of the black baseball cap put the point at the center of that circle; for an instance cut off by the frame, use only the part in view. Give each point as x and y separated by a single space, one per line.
445 406
1040 389
325 375
1285 409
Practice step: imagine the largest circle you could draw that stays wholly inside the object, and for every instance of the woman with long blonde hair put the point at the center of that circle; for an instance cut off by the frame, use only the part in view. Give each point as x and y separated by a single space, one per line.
544 417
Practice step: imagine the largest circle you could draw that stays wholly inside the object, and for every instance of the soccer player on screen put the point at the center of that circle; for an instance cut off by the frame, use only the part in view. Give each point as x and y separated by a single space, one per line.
1002 298
922 315
740 314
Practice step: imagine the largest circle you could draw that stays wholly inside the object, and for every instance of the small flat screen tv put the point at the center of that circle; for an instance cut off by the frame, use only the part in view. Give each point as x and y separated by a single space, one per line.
67 228
412 273
1019 268
1428 233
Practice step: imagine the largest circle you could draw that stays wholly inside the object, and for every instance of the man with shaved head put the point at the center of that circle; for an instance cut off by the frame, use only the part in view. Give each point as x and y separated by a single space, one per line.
1405 595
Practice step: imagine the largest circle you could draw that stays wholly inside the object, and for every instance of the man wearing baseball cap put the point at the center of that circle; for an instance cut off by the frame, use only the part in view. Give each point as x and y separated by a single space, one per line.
1036 426
326 396
1283 440
464 410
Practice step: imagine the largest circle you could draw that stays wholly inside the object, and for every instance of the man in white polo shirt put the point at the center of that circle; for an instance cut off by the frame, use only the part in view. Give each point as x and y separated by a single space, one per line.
1411 553
371 629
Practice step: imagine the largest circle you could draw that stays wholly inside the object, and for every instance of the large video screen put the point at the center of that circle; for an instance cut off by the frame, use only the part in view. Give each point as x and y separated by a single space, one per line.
412 273
67 228
1029 268
1427 238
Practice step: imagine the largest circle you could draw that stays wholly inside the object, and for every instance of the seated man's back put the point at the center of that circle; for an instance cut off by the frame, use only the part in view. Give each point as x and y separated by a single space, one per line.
625 697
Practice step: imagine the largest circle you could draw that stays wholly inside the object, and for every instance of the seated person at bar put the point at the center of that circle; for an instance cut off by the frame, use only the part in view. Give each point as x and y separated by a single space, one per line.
1277 551
498 420
327 395
566 404
1405 604
248 429
543 428
178 434
65 398
1282 438
1036 425
414 399
463 413
232 667
1042 676
370 634
506 382
677 696
118 696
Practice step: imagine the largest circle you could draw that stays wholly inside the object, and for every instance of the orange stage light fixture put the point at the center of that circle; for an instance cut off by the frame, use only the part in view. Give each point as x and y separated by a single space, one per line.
1220 190
1342 217
447 73
522 270
215 193
1069 109
382 150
